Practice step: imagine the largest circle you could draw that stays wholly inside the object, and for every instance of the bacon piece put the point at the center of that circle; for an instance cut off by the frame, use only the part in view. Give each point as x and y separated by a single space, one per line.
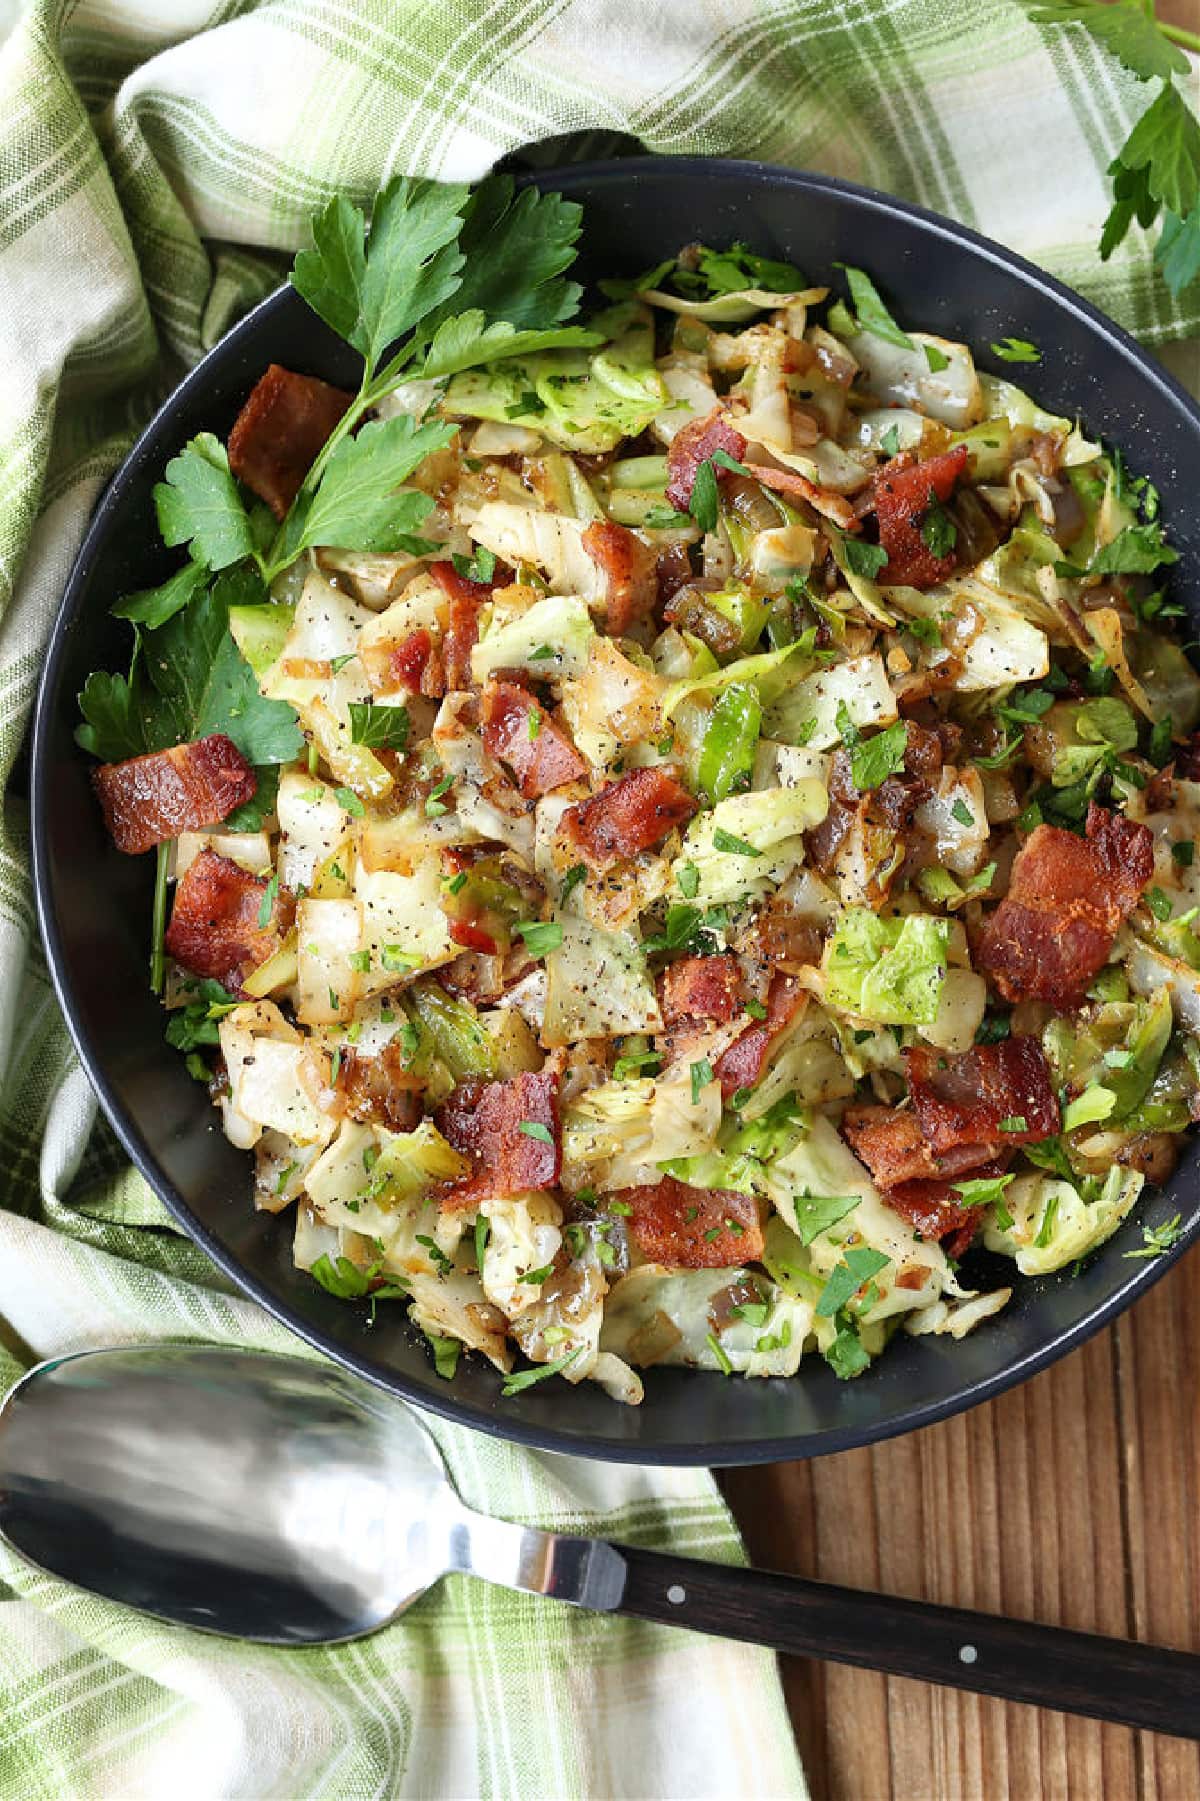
379 1091
743 1063
278 433
935 1209
696 988
414 663
900 491
214 929
797 486
185 789
465 598
1067 897
893 1147
967 1099
544 760
483 1120
692 445
630 572
630 815
460 587
693 1228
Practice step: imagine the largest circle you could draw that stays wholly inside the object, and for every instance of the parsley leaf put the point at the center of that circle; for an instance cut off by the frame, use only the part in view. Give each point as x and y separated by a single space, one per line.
939 533
982 1191
522 1379
340 1277
846 1356
730 271
1135 551
731 845
1158 1240
372 296
541 936
815 1213
1016 350
872 760
862 558
479 568
383 728
357 505
857 1267
152 607
1165 142
188 679
1177 252
873 315
704 499
198 504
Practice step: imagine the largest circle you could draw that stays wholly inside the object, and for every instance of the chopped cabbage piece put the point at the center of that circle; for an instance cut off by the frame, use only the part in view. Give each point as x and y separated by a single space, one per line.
748 842
888 970
1052 1223
950 394
659 1315
809 712
520 639
615 1135
597 985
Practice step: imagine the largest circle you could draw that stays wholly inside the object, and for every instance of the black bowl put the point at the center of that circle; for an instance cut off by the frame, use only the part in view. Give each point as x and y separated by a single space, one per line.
94 904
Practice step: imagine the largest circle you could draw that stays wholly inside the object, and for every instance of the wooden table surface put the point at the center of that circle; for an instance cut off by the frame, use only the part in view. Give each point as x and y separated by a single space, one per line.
1074 1499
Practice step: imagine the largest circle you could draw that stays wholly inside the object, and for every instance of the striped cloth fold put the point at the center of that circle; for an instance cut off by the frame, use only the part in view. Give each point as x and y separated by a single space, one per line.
158 165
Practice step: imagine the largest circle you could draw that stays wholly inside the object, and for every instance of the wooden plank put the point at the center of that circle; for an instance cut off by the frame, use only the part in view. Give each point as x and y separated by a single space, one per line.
1071 1500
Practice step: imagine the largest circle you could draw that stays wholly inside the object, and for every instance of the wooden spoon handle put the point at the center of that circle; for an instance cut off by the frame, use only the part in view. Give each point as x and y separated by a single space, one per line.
1046 1666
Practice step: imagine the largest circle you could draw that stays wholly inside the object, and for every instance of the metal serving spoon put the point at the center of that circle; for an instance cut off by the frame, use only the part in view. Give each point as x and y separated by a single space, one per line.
276 1499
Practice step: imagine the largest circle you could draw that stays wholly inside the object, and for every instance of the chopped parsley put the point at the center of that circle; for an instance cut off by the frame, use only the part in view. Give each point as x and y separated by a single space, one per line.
541 936
1016 350
732 845
1158 1240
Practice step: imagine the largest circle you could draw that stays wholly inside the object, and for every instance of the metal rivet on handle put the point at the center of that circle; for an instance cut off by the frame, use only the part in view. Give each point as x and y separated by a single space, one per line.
676 1595
967 1654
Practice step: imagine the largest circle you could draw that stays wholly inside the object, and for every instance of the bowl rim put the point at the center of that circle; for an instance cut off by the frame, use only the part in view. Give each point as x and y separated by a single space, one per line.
441 1401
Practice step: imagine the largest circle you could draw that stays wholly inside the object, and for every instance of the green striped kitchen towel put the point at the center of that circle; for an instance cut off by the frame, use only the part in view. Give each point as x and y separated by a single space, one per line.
159 160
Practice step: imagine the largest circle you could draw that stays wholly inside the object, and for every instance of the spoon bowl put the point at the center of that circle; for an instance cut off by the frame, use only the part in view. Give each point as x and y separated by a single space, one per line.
264 1497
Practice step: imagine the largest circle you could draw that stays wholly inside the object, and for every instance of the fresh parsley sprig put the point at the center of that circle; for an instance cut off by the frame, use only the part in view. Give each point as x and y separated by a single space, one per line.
1156 173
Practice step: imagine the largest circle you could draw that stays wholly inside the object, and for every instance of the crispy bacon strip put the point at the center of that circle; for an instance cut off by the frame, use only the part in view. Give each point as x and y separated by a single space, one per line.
185 789
693 1228
893 1147
631 814
415 664
214 929
901 491
692 445
630 570
462 624
980 1095
935 1209
523 735
483 1120
797 486
699 988
743 1063
278 433
1067 897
